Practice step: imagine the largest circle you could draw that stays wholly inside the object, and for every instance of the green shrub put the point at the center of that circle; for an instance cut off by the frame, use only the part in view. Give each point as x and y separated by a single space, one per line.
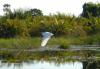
64 44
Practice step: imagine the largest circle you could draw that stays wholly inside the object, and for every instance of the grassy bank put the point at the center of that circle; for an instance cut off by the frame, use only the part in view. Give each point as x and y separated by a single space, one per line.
21 43
35 42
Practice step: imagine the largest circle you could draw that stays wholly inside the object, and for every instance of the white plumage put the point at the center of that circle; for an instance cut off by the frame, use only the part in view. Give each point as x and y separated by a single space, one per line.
45 37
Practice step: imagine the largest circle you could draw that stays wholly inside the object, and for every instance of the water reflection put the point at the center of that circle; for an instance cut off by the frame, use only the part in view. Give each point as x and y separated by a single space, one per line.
91 65
43 65
52 65
50 60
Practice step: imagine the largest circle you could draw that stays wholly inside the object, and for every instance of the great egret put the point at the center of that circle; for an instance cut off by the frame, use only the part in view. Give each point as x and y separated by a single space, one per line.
45 37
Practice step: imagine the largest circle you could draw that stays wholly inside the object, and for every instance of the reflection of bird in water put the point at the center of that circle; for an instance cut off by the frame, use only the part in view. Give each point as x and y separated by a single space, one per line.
45 37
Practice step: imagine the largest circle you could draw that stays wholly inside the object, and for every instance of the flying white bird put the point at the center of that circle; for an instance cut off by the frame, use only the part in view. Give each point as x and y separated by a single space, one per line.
46 37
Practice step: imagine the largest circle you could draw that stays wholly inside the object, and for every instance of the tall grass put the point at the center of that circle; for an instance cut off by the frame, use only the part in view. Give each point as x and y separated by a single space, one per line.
59 24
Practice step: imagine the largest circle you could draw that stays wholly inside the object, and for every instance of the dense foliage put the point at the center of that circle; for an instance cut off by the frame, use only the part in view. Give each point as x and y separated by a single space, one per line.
32 22
91 9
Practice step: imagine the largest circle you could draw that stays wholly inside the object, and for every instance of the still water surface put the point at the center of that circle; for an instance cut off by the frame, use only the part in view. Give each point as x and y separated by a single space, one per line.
81 59
42 65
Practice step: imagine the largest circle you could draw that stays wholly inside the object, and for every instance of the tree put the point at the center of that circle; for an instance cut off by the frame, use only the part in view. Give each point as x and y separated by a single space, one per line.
36 12
91 10
7 9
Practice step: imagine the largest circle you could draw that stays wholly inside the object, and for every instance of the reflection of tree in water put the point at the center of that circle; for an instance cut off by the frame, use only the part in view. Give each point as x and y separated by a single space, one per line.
91 65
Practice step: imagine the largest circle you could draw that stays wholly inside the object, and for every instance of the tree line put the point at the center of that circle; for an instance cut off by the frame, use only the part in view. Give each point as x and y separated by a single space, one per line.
31 22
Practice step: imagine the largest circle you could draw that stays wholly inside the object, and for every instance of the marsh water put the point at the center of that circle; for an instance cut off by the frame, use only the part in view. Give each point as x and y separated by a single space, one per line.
47 59
42 65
